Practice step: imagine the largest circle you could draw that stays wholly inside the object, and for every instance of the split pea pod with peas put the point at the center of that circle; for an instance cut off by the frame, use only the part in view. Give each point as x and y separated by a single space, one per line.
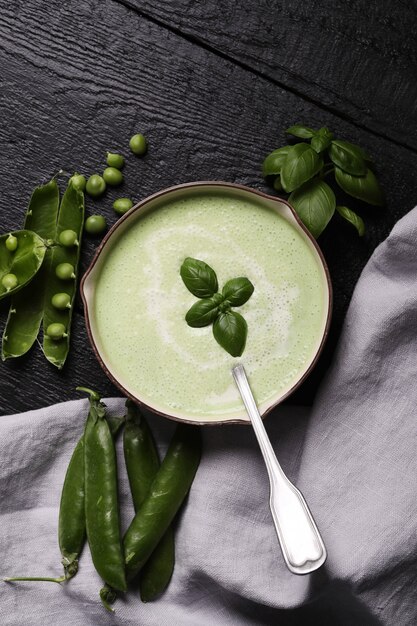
21 255
62 277
27 304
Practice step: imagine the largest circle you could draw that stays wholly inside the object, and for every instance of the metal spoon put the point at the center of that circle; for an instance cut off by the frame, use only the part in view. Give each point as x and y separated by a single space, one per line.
298 535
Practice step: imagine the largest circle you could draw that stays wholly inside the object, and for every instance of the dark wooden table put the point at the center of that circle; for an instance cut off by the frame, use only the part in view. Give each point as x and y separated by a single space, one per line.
213 85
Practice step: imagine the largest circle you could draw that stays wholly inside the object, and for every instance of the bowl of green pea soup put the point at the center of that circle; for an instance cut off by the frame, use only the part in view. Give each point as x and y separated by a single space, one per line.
193 280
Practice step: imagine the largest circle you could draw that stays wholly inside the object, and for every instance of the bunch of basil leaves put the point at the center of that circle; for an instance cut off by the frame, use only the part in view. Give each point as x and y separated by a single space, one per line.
230 329
301 169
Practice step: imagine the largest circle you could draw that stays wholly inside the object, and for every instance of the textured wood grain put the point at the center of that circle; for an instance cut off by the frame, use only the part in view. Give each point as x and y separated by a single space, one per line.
72 87
356 58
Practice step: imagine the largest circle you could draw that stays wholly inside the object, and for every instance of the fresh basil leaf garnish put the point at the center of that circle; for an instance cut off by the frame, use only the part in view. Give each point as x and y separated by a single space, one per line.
364 188
230 331
322 139
273 162
301 164
237 291
203 312
199 278
298 130
229 328
346 156
314 204
353 218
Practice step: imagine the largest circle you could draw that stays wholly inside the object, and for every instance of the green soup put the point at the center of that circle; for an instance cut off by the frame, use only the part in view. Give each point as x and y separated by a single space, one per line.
140 303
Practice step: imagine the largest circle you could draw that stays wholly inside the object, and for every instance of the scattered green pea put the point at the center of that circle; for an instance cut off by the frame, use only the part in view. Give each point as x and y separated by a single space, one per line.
95 186
65 271
9 281
11 243
61 301
95 225
122 205
138 144
68 238
78 181
113 176
115 160
56 331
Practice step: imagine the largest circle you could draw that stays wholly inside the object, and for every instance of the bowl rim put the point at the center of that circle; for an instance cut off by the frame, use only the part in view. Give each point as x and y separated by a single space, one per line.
140 205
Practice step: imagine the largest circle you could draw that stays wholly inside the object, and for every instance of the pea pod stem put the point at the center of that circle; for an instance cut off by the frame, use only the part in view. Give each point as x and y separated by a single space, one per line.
94 396
59 580
108 597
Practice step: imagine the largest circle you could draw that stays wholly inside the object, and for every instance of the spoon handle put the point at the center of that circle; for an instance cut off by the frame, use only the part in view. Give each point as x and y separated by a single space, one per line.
298 535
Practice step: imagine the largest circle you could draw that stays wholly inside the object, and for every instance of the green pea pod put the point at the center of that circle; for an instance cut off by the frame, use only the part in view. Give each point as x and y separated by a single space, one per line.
71 525
71 528
101 501
167 492
71 217
142 464
26 309
23 263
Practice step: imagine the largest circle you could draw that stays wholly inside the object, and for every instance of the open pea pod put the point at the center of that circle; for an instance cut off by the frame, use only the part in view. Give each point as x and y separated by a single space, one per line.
26 309
71 217
19 266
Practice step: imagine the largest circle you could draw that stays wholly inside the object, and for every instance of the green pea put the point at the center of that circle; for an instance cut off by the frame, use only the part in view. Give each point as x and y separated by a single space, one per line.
95 186
138 144
115 160
56 331
9 281
61 301
78 182
95 225
65 271
122 205
113 176
11 243
68 238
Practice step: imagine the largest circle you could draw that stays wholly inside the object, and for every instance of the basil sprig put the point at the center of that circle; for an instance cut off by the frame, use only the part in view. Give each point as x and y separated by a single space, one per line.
230 329
300 170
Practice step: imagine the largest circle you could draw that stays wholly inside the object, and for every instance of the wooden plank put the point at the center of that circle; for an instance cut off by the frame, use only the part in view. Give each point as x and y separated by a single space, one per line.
73 87
357 59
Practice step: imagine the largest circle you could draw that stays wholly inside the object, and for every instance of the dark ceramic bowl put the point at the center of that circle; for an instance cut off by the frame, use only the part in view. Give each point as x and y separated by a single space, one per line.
152 203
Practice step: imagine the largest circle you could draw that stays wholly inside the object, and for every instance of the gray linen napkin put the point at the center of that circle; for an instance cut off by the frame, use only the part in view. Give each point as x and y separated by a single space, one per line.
354 456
